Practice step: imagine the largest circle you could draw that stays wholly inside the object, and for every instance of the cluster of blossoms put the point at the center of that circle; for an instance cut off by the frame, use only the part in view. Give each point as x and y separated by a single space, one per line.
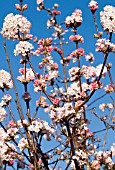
67 94
39 83
57 114
14 26
26 76
92 72
103 106
45 47
23 48
76 38
42 102
75 20
5 80
93 5
5 100
51 67
104 45
107 18
39 125
102 158
77 53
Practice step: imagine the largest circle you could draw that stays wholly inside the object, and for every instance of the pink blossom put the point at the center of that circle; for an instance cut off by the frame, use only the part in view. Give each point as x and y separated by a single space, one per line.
76 38
56 101
29 75
93 5
11 124
55 12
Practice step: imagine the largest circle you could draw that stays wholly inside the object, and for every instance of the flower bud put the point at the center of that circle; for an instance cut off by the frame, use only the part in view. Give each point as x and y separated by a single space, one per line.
25 6
18 7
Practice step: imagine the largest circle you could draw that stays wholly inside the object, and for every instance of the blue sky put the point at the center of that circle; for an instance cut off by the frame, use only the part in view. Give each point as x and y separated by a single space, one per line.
38 20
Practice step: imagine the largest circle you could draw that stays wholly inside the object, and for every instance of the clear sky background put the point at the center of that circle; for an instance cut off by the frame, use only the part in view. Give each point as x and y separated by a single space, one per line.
38 20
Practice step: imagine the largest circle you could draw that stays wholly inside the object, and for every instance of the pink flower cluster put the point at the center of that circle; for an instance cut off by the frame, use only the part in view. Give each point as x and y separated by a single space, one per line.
76 38
75 20
45 46
23 48
77 53
107 18
14 26
93 5
39 84
5 80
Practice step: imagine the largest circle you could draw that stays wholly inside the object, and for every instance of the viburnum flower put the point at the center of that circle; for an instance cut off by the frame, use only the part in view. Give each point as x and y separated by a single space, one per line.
14 26
104 45
75 20
29 75
76 38
23 48
93 5
5 80
38 125
107 18
74 73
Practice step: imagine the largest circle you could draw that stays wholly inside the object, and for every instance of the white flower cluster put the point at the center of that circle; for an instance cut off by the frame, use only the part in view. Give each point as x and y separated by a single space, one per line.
107 18
22 48
2 114
5 80
38 125
75 20
104 45
14 25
